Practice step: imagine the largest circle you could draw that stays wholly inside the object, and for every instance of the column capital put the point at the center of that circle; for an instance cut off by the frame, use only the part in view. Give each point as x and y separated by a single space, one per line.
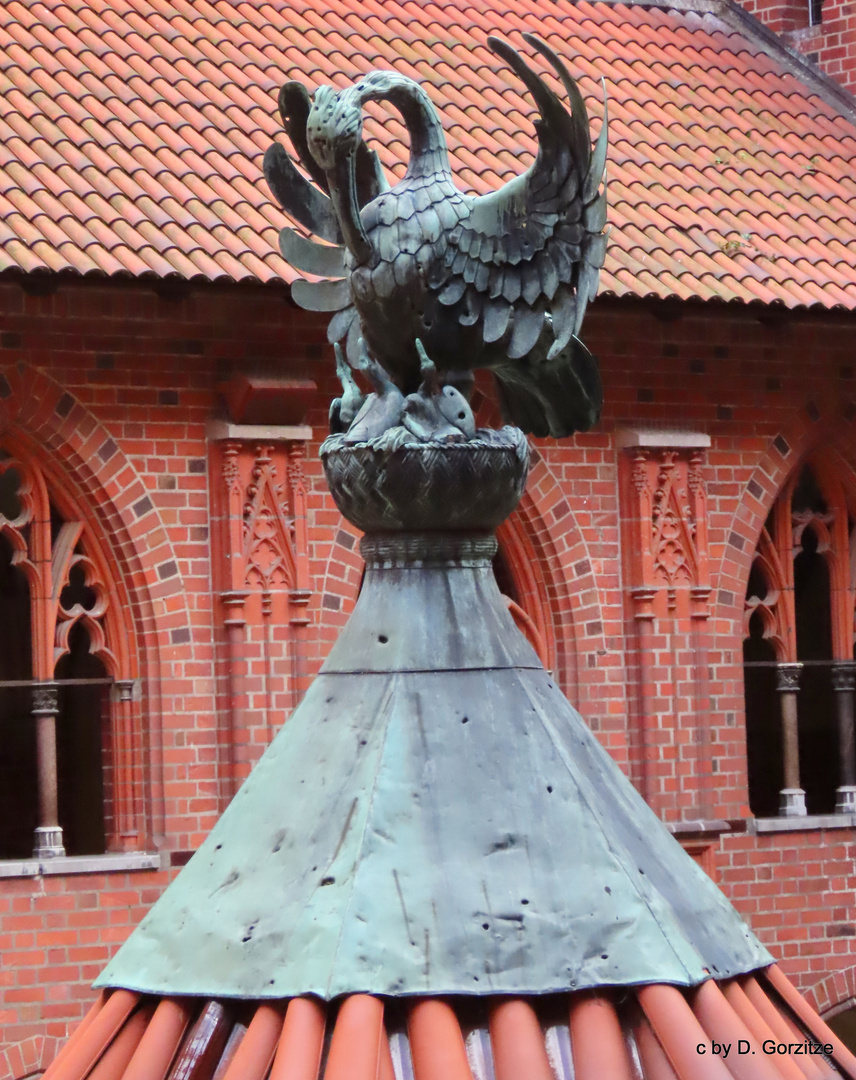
788 678
124 689
45 699
844 675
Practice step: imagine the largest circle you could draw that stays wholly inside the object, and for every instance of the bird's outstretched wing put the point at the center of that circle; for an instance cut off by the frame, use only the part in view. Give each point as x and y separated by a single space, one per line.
305 197
526 260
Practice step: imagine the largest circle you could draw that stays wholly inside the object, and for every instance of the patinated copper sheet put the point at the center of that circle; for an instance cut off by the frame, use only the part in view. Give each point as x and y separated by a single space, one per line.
434 818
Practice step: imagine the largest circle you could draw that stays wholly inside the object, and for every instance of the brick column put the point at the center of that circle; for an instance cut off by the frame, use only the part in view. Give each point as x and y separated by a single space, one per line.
792 796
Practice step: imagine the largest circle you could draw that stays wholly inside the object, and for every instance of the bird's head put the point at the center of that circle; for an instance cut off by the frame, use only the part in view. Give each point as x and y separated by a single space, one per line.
334 126
333 133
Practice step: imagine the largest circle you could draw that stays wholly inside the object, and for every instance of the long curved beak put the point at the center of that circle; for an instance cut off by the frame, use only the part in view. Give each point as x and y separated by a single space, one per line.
343 193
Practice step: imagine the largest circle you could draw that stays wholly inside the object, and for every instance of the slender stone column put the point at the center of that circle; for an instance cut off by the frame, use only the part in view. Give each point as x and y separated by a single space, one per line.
792 796
125 784
844 684
47 843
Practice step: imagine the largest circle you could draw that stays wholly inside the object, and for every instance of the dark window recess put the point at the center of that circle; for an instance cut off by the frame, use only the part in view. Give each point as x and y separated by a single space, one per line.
763 723
814 502
82 723
504 579
82 727
815 12
18 788
816 698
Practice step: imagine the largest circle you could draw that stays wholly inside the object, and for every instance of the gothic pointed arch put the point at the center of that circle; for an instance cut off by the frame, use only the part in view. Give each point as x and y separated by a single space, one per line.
101 589
798 629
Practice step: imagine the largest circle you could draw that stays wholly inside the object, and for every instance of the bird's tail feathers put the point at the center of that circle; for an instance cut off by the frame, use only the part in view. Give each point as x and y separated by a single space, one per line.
553 398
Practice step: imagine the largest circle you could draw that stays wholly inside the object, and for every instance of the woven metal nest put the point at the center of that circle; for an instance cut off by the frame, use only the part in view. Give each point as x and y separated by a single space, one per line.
391 484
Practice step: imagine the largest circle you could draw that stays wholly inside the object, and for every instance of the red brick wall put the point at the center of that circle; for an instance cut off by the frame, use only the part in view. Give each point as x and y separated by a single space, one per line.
142 372
831 44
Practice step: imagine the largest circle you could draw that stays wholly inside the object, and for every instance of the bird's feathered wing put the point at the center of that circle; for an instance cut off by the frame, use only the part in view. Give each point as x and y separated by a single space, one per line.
306 199
526 260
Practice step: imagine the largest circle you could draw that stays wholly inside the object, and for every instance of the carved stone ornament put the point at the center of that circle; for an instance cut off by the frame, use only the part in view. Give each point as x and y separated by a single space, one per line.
788 678
844 676
498 281
269 554
667 522
45 699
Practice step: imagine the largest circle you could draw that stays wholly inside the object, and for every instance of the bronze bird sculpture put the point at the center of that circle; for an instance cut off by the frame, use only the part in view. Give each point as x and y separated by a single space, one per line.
498 281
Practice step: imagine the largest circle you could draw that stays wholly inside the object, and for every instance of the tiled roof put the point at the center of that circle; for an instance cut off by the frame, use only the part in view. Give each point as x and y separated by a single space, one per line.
132 133
656 1032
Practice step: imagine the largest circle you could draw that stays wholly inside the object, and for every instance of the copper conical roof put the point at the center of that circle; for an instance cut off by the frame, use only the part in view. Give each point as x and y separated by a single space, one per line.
435 818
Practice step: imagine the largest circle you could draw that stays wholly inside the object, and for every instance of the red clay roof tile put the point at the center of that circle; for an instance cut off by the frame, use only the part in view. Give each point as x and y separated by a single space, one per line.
144 121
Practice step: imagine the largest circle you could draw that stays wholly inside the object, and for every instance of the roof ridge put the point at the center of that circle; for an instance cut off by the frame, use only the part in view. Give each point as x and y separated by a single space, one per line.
795 62
733 13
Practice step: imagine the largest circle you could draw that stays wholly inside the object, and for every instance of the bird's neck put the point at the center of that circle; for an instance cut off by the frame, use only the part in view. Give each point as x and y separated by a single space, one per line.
428 156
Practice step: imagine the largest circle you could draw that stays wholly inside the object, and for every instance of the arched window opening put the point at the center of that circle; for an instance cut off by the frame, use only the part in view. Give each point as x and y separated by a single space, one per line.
816 699
19 803
521 597
798 651
65 694
842 1020
83 728
763 734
